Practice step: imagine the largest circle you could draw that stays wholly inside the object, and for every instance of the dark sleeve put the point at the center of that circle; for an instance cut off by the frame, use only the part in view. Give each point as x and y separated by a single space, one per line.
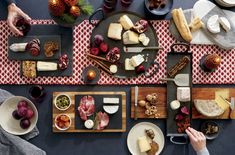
10 1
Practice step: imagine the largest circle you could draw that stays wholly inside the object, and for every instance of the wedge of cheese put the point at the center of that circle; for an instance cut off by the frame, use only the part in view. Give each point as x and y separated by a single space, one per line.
220 95
136 60
225 23
128 65
130 37
126 22
115 31
46 66
144 145
213 24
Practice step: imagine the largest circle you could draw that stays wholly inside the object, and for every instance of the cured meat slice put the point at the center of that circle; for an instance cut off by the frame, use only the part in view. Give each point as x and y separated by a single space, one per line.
102 120
86 107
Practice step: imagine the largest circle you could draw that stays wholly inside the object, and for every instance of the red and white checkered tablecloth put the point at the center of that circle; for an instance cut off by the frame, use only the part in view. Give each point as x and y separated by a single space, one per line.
10 70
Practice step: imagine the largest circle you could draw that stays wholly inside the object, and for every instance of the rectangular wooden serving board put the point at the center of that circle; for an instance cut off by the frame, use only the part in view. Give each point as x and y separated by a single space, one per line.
209 94
143 92
117 121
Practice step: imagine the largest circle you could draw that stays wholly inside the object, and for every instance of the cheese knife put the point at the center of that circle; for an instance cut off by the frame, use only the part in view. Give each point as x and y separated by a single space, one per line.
136 102
232 112
139 49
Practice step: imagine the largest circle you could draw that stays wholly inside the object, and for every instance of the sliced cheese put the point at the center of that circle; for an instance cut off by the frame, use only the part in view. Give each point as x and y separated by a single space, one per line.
46 66
225 23
183 94
130 37
136 60
144 145
213 24
146 41
196 24
115 31
126 22
219 95
113 100
128 65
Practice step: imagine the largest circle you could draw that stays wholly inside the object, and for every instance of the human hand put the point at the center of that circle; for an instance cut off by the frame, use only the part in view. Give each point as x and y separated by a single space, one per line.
13 14
197 139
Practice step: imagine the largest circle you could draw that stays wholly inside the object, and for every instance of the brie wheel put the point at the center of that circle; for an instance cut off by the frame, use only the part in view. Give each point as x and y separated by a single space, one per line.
213 24
225 24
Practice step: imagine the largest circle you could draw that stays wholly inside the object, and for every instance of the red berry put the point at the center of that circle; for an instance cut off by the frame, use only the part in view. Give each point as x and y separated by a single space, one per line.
95 51
104 47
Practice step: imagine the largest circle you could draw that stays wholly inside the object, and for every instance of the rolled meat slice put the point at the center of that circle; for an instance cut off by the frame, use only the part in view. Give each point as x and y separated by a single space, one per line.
86 107
102 120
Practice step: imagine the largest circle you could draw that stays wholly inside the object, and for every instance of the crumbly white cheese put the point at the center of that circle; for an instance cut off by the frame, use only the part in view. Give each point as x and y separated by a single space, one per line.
213 24
115 31
144 145
136 60
130 37
183 94
175 104
128 65
113 100
113 69
225 23
126 22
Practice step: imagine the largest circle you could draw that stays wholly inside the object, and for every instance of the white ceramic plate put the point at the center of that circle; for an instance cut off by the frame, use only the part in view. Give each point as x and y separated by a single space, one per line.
139 130
10 124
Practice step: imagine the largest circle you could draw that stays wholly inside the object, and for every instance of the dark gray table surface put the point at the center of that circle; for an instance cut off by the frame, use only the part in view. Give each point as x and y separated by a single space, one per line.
105 143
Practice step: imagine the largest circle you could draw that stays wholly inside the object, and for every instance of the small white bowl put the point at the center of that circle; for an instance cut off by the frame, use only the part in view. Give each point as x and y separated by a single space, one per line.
10 124
63 129
62 109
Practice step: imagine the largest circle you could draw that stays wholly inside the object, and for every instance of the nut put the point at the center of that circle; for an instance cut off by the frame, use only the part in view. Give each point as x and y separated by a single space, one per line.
142 103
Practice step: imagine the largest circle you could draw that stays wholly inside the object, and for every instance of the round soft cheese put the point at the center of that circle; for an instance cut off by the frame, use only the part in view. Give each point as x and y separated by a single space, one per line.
175 104
89 124
213 24
111 109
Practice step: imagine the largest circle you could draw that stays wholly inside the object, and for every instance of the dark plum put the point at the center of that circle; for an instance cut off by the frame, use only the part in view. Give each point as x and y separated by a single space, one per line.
22 111
98 39
16 115
22 103
25 123
29 113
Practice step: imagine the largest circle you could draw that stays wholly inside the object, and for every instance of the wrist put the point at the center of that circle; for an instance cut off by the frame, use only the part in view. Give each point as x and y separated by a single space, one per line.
203 151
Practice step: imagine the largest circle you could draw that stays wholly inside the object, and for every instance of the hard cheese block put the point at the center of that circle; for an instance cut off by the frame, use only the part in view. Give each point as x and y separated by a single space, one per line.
219 95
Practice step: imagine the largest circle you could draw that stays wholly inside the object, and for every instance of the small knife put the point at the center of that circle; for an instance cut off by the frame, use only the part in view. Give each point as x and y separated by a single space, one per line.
139 49
232 112
136 102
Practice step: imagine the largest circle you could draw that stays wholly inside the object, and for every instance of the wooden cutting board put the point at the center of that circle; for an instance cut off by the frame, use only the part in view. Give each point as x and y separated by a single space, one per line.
197 93
72 111
143 92
209 94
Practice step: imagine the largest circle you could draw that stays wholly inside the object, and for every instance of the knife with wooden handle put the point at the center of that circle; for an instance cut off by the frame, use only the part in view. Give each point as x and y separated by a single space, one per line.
139 49
232 112
136 102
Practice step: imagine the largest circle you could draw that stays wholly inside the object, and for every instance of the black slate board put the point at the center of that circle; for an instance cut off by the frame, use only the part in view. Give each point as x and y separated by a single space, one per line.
66 35
115 120
172 59
102 28
27 55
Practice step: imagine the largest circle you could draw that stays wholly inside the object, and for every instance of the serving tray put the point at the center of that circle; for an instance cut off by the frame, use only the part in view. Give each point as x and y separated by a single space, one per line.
27 55
149 55
117 122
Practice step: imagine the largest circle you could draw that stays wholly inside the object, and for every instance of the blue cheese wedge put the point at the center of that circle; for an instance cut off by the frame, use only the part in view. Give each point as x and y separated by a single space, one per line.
115 31
126 22
128 65
225 24
130 37
46 66
213 24
136 60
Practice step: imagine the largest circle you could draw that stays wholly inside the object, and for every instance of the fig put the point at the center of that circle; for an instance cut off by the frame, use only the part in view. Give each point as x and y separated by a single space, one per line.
25 123
113 55
29 114
22 111
16 115
22 103
98 39
23 26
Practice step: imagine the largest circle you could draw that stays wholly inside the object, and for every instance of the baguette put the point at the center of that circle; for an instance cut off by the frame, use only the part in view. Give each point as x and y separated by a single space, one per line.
181 24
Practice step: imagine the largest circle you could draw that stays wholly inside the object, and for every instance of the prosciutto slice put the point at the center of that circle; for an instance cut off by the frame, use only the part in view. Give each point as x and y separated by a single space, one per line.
86 107
102 119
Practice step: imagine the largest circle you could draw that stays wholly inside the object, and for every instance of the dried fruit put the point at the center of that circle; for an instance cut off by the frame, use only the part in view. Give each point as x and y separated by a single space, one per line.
23 26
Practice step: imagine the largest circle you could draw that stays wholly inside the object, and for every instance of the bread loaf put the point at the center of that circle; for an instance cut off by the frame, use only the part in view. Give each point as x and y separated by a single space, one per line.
181 24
